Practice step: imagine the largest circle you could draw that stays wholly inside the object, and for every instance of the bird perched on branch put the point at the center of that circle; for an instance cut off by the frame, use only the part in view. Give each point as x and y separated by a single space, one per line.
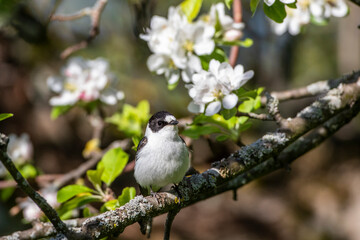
162 156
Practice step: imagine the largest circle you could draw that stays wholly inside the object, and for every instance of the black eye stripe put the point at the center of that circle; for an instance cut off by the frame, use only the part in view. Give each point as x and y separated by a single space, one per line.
162 123
157 121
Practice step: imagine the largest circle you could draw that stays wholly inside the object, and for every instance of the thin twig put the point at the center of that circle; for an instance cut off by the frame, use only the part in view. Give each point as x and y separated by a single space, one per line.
95 15
237 14
262 116
273 108
25 186
79 14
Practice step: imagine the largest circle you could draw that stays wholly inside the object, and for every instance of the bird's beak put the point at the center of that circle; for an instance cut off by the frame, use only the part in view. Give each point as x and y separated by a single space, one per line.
174 122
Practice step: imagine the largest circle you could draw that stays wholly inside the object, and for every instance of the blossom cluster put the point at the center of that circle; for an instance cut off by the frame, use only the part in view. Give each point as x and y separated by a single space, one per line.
317 11
84 80
215 88
177 43
20 150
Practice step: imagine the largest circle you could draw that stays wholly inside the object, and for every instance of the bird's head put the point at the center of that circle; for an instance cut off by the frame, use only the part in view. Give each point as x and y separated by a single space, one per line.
162 124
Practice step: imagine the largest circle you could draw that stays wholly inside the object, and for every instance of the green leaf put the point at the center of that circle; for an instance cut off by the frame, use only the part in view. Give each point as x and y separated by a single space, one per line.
4 116
217 54
242 120
110 205
86 212
248 42
245 126
114 162
246 106
253 6
6 193
94 176
292 5
276 11
127 194
257 103
228 3
59 110
243 94
319 21
173 86
191 8
28 171
77 202
70 191
196 131
228 113
132 119
222 138
135 141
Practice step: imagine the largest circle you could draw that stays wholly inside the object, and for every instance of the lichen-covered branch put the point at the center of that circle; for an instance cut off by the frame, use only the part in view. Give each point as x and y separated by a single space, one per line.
262 116
311 90
273 151
41 230
25 186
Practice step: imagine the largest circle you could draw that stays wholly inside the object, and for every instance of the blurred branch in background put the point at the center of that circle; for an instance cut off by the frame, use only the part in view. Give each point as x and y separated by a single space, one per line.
95 15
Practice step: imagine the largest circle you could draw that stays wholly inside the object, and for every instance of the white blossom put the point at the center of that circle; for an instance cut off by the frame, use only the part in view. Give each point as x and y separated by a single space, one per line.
230 30
316 10
177 44
271 2
215 88
324 9
293 22
20 150
31 211
84 80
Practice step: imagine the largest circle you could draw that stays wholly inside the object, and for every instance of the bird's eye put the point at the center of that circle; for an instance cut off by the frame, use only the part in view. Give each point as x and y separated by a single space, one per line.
160 123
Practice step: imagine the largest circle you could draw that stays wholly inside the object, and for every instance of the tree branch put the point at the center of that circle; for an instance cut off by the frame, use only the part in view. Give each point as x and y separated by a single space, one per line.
262 116
25 186
357 2
94 13
311 90
237 14
41 230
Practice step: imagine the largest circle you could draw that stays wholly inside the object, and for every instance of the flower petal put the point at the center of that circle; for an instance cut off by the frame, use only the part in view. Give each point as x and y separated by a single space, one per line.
269 2
213 108
287 1
230 101
195 108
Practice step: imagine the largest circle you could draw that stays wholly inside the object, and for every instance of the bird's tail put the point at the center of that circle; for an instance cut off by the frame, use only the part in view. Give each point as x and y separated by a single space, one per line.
146 226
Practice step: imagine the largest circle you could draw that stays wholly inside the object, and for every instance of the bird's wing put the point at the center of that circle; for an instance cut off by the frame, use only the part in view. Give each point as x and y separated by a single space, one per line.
141 144
182 140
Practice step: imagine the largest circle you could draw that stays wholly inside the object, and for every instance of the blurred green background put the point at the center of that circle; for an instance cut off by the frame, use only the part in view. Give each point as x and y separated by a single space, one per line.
318 199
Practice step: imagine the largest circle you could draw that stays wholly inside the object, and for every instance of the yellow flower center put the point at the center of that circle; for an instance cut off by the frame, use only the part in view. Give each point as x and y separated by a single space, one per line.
69 86
189 46
217 94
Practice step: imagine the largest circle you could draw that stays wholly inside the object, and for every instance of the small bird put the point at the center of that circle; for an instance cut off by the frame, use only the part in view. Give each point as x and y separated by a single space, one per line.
162 156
